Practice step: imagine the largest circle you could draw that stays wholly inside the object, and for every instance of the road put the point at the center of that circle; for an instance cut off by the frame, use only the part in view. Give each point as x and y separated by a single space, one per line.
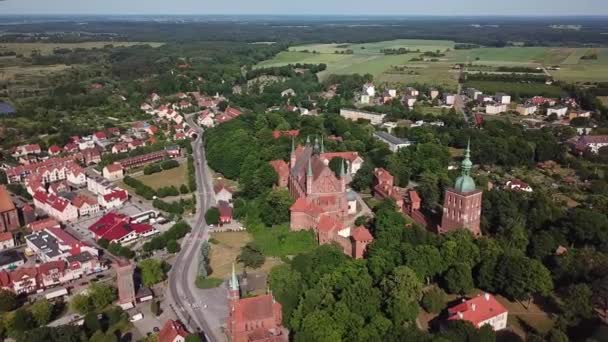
182 289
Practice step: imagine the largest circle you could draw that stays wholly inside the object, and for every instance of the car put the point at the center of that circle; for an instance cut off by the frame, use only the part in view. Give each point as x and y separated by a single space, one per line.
156 329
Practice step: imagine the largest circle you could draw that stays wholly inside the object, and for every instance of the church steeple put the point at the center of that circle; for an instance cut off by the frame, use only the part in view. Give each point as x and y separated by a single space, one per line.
466 164
309 176
292 158
465 183
316 148
308 140
322 146
233 289
234 281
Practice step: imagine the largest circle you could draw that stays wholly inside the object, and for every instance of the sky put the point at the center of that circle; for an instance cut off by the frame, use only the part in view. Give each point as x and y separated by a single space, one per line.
330 7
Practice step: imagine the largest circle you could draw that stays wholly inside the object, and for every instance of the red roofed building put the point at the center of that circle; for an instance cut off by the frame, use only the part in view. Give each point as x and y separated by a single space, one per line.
6 240
54 150
57 207
321 199
124 281
172 331
253 319
116 198
113 172
225 212
118 228
592 143
518 185
232 112
43 224
481 310
25 150
293 133
24 280
86 205
142 160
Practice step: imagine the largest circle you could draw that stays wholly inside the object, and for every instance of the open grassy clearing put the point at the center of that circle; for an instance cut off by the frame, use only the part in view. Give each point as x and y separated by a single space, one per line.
47 48
175 177
26 72
371 60
227 249
604 100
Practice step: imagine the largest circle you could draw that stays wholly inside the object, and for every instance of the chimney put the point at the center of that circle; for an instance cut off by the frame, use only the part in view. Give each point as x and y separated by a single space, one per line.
486 296
473 307
460 315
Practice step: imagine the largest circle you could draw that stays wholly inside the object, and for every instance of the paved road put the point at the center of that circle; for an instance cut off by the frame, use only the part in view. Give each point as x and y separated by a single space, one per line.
182 289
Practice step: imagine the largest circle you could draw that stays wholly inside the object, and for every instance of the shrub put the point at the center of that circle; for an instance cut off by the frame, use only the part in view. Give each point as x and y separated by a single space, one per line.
251 256
184 189
151 169
207 283
434 300
169 164
212 216
173 246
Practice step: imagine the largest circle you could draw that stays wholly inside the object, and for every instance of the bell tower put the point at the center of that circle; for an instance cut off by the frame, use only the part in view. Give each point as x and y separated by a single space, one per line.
462 203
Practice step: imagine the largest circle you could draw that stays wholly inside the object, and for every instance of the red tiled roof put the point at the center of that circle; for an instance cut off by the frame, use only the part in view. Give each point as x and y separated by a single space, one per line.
255 308
477 309
23 272
350 156
5 280
280 167
225 209
54 149
361 234
114 167
100 135
303 206
6 236
170 331
6 203
63 236
47 267
328 224
43 224
113 226
292 133
121 195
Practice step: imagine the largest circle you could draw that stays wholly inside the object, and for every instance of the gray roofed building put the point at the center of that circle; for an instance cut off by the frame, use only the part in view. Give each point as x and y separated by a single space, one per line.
394 143
10 260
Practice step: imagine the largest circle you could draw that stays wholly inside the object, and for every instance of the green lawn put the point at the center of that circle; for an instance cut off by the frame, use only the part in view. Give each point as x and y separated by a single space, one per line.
176 177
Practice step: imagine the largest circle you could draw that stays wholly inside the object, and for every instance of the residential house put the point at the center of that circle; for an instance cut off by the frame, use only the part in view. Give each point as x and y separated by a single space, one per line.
53 244
479 311
11 259
113 172
222 193
24 280
579 114
55 206
369 89
142 160
410 100
433 93
43 224
591 142
115 199
120 148
518 185
473 93
410 91
54 150
24 150
483 98
225 212
91 155
288 93
86 205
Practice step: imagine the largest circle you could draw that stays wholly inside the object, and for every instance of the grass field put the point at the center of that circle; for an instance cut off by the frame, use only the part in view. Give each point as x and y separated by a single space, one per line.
47 48
24 72
226 250
176 177
603 99
367 58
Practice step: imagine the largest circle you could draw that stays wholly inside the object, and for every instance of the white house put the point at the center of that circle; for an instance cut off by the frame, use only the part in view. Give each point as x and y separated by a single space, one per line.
481 310
503 98
113 172
394 143
518 185
449 99
364 99
473 93
369 89
560 111
409 101
526 109
6 240
433 93
411 91
222 193
288 93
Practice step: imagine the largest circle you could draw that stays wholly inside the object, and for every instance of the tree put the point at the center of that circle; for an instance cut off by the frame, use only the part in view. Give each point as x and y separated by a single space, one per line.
212 216
402 290
173 246
101 295
152 271
155 307
251 256
91 322
8 301
577 303
600 294
82 304
276 207
286 284
100 336
183 189
336 165
42 310
458 279
103 243
434 300
21 321
518 277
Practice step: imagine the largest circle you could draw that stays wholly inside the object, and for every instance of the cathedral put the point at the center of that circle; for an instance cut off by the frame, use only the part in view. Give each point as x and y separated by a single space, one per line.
322 201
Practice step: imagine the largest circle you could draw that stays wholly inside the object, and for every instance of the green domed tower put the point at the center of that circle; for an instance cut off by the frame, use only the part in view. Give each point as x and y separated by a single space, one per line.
462 203
465 183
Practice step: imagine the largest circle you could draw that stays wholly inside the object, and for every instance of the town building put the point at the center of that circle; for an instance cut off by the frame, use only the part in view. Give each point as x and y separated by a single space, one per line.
54 244
503 98
411 91
321 201
449 99
24 150
253 319
433 93
526 109
142 160
518 185
43 224
355 114
394 143
6 240
592 143
124 281
57 207
10 260
409 101
473 93
172 331
119 228
560 111
85 205
462 203
225 212
9 218
113 172
288 93
222 193
495 108
369 89
479 311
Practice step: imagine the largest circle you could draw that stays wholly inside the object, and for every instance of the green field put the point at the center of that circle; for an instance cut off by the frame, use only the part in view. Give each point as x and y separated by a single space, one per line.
367 58
47 48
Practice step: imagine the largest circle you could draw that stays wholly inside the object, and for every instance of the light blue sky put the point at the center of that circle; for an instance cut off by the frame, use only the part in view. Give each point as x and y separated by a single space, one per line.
360 7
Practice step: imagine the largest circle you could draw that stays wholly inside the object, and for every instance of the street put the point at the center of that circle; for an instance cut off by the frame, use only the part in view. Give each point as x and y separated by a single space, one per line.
187 302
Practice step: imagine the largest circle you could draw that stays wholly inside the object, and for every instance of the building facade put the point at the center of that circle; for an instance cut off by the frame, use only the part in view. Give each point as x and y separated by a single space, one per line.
9 219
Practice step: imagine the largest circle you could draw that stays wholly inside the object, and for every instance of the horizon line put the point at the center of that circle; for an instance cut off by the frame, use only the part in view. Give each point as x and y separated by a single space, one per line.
569 15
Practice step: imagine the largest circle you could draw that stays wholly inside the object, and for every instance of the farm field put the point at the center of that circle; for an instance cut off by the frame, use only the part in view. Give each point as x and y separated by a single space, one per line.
176 177
367 58
24 72
47 48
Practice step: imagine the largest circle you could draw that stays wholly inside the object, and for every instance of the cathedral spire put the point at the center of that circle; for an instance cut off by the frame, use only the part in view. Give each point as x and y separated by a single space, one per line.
316 148
309 170
322 146
342 173
466 164
308 140
234 282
